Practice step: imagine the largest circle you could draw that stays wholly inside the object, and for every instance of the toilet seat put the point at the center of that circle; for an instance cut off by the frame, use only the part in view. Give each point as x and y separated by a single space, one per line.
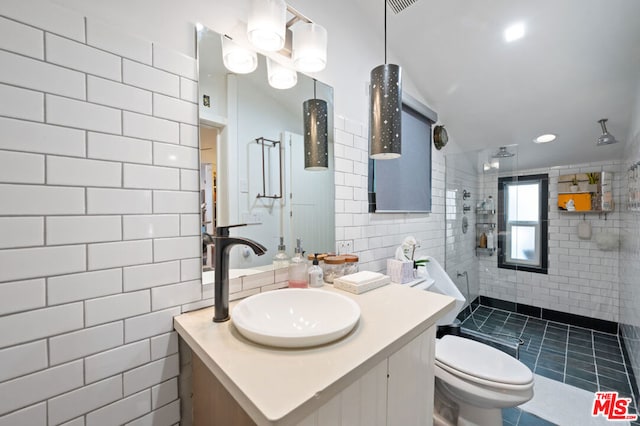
482 382
482 364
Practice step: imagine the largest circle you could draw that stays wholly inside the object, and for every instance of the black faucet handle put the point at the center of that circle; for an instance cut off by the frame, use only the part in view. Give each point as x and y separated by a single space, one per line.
223 231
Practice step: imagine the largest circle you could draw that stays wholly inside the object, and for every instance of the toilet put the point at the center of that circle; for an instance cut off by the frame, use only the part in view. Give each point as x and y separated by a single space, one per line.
473 380
480 380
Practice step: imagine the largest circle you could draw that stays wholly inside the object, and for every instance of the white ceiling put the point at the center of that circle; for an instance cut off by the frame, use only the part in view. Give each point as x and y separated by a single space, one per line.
579 61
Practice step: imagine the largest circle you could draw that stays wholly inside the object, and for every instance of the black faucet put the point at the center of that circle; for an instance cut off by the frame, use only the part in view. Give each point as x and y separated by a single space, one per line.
222 244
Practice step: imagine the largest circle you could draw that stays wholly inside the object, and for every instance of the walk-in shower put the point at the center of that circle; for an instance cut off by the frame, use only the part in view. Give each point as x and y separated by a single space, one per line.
471 182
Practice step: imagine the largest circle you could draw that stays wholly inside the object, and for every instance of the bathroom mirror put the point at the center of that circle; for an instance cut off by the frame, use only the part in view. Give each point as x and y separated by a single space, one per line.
252 159
586 192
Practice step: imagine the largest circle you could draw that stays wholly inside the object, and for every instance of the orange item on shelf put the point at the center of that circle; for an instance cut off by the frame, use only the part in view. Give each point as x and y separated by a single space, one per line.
582 201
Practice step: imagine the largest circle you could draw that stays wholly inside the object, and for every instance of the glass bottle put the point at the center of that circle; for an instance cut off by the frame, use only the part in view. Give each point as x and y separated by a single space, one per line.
298 277
315 273
281 260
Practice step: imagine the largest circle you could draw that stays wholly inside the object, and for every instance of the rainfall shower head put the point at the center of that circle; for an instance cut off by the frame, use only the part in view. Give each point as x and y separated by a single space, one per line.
605 138
503 153
399 5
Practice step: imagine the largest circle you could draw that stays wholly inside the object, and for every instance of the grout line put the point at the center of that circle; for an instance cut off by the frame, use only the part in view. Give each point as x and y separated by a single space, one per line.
546 324
595 363
566 356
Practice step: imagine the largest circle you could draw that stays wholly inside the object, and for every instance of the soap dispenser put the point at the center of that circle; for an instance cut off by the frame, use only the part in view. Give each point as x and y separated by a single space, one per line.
298 277
281 260
316 277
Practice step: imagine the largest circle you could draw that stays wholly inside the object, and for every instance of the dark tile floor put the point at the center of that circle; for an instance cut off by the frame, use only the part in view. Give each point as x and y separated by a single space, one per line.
580 357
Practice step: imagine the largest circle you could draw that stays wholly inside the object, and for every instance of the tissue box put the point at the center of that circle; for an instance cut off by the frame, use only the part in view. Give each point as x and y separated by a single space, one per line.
400 271
361 281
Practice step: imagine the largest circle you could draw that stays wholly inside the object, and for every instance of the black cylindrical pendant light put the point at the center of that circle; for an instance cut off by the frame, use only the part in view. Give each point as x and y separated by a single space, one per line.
316 137
385 107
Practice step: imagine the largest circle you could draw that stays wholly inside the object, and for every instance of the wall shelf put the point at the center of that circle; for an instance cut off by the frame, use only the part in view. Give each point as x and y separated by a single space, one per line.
484 251
594 195
482 226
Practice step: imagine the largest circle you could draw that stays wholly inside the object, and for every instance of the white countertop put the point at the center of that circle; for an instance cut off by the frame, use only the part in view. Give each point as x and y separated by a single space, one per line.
281 386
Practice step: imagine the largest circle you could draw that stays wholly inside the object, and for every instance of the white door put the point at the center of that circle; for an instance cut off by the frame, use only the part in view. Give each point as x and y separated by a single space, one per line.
310 193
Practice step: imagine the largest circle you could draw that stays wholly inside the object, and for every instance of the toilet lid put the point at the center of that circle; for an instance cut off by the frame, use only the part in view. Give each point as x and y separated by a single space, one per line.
482 361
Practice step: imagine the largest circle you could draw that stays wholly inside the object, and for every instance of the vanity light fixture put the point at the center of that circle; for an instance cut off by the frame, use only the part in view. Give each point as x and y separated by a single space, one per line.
236 58
269 30
266 27
546 138
316 135
385 109
514 32
280 77
309 47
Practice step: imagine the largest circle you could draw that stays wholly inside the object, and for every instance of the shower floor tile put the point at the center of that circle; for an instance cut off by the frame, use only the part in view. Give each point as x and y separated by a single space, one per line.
581 357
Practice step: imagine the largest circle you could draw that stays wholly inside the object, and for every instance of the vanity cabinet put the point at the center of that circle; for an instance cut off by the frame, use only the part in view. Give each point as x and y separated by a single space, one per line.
379 374
396 391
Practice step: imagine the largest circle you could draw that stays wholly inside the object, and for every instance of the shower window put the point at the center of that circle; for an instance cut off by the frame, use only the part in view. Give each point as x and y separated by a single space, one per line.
522 223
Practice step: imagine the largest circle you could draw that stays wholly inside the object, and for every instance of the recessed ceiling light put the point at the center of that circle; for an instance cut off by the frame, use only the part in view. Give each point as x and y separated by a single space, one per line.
549 137
514 32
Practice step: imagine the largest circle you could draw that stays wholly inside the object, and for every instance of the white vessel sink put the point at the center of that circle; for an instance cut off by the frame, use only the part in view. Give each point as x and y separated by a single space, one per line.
295 318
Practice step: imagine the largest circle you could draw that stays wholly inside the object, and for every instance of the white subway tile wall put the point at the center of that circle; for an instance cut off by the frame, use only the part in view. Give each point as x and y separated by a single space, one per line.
21 103
582 278
23 359
106 199
164 393
21 39
460 252
164 345
375 237
630 252
91 274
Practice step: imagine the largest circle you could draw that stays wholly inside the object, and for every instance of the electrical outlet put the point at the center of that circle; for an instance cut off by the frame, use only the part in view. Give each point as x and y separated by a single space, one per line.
344 247
244 186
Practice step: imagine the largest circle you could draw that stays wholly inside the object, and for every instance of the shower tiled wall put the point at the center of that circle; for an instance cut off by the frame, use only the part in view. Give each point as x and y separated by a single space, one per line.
582 278
460 255
375 237
630 254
